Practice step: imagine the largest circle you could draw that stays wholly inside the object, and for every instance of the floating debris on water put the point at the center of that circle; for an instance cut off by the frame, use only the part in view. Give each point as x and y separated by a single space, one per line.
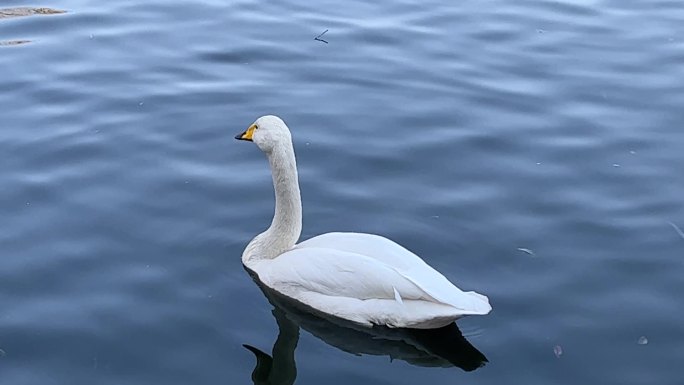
558 351
677 229
27 11
642 340
14 42
527 251
632 152
7 13
616 165
2 353
318 38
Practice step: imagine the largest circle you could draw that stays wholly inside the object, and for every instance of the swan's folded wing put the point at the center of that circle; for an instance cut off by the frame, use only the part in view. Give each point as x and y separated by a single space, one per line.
338 274
371 245
404 262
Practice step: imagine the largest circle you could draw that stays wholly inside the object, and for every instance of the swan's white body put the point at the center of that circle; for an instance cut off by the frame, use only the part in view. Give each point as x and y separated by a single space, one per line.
363 278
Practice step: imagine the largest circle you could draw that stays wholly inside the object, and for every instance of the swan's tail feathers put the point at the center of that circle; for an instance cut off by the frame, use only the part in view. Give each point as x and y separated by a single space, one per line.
479 303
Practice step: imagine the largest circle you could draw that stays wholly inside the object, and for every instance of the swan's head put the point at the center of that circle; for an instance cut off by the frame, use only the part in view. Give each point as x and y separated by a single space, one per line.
267 132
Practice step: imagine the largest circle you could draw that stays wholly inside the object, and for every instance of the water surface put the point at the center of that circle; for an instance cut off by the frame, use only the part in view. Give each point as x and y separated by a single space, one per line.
466 131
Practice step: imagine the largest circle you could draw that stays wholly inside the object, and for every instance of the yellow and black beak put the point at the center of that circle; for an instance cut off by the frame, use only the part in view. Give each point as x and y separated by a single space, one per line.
247 135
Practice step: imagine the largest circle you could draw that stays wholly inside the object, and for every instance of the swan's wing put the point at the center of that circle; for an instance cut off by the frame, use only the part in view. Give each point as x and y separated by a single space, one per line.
404 262
372 245
355 287
338 273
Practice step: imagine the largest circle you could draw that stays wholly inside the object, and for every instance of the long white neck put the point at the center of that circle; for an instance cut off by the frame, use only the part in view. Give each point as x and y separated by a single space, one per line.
286 226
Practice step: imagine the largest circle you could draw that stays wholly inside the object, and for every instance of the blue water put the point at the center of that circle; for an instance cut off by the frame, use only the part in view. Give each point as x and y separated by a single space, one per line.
529 150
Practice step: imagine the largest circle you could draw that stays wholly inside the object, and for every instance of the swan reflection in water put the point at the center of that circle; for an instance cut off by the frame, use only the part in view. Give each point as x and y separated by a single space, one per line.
443 347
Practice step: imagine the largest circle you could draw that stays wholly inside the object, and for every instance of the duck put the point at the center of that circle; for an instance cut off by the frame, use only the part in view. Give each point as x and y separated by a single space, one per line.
365 279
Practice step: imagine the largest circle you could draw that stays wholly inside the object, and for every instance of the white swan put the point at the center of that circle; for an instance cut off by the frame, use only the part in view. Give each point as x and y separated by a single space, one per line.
362 278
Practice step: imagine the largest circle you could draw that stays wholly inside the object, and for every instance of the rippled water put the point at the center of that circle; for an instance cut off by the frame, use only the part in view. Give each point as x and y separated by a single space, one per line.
529 150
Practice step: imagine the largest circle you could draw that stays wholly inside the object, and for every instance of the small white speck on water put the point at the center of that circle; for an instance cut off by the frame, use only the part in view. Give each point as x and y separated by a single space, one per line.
632 152
616 165
538 163
141 103
642 340
434 216
91 36
2 353
527 251
186 182
28 203
147 266
558 351
307 143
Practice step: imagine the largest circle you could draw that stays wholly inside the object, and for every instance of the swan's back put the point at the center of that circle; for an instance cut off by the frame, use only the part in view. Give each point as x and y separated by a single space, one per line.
407 264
